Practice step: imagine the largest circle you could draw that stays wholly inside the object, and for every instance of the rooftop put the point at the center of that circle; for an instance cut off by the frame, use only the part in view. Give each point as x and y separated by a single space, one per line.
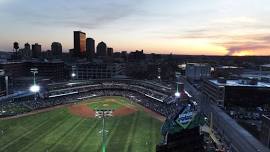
266 65
239 83
198 64
229 67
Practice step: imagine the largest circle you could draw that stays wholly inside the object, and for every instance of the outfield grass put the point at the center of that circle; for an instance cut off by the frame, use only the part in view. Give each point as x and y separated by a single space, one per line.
60 131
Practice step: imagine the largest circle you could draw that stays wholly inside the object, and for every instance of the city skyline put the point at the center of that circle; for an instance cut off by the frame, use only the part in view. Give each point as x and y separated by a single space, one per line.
195 27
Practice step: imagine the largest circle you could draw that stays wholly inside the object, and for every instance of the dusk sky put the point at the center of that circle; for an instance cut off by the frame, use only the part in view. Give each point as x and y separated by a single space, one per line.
216 27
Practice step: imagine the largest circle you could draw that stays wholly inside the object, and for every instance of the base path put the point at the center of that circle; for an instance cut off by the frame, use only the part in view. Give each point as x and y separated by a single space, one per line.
82 110
123 111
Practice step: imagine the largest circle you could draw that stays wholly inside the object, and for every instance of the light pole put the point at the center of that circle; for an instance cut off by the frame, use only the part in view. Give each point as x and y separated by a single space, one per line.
159 75
34 88
103 113
73 72
2 73
177 93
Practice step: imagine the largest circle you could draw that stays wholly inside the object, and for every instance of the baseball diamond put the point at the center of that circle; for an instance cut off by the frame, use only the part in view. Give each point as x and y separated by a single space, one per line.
75 128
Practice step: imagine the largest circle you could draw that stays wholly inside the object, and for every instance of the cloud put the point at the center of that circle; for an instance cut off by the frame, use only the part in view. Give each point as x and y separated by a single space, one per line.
235 35
82 14
255 48
257 44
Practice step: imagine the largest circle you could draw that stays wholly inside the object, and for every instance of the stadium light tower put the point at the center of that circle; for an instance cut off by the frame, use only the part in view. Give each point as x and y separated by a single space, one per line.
2 73
103 113
34 88
177 93
159 77
73 72
177 76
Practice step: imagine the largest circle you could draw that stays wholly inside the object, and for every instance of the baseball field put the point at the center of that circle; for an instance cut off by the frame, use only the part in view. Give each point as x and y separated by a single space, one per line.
75 128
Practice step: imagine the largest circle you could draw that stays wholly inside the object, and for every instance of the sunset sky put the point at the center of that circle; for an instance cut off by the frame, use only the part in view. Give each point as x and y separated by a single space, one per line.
203 27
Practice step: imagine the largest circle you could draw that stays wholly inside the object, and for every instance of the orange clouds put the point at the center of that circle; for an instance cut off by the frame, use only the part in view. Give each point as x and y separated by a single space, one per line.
243 53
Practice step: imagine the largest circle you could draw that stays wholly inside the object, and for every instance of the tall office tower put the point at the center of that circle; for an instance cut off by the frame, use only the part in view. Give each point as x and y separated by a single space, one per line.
109 51
101 49
36 50
90 48
56 49
79 43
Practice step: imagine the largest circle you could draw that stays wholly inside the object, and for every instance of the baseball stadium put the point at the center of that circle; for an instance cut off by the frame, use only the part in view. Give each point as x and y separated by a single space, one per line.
96 116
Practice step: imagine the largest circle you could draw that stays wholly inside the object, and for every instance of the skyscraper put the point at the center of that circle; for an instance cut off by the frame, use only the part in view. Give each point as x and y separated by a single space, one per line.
79 43
56 48
101 49
36 50
90 47
110 51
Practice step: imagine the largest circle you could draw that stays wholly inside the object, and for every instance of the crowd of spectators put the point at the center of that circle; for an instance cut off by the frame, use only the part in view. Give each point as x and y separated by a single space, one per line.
111 85
160 102
150 103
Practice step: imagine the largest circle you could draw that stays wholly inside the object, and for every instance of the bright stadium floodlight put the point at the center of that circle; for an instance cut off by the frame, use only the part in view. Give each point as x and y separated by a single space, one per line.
177 93
73 72
35 88
205 119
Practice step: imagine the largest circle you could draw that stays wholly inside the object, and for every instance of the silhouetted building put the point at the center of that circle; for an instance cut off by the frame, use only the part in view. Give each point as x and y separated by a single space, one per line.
101 49
79 43
86 71
265 131
90 48
53 70
48 55
167 71
197 71
20 76
27 46
56 49
3 87
265 67
109 51
26 52
136 56
36 50
237 93
227 71
14 70
71 52
124 55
